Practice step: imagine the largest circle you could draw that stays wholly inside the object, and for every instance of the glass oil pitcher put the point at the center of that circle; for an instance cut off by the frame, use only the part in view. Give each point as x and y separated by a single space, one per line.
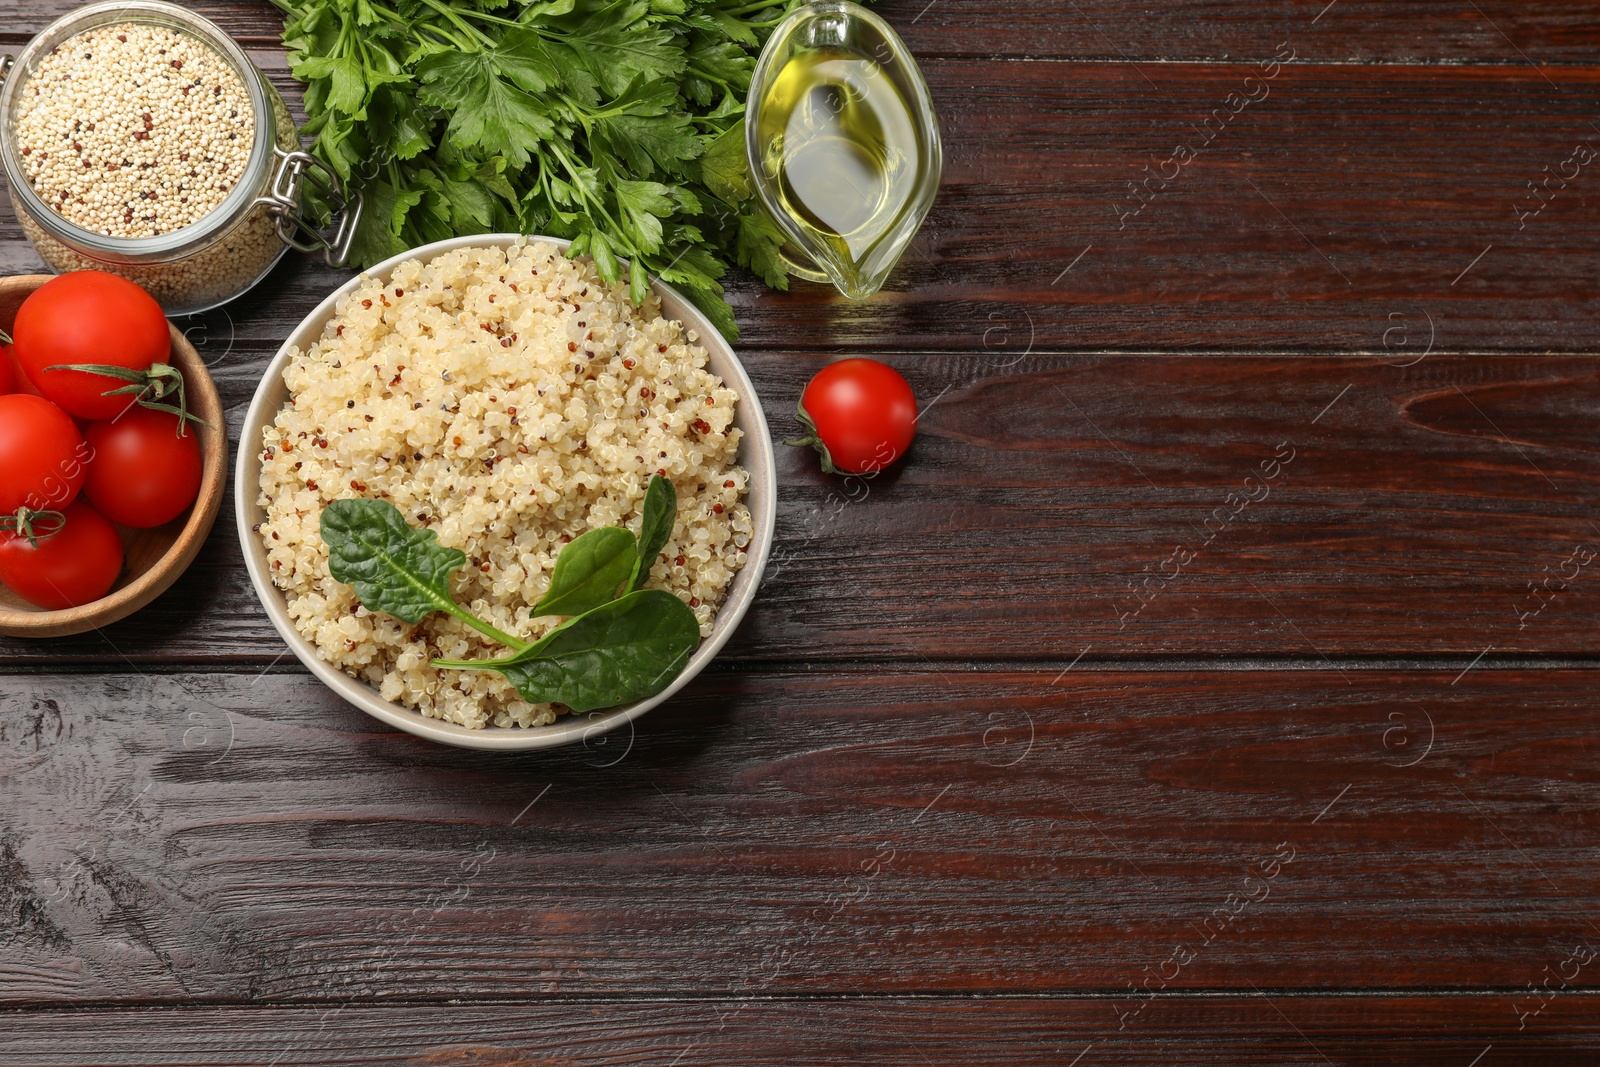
843 144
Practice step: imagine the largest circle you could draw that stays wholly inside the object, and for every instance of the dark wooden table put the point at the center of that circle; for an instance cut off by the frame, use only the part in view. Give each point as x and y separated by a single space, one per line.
1214 683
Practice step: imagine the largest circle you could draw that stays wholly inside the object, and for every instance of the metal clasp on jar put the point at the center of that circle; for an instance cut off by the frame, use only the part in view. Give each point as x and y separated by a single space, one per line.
298 173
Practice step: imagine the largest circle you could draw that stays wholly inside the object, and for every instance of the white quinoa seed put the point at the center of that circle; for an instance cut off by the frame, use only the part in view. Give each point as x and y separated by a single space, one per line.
509 401
134 130
214 269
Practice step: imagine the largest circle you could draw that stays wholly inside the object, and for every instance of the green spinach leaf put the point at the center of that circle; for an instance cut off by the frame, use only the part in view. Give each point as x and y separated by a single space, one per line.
614 650
588 572
394 568
660 511
627 650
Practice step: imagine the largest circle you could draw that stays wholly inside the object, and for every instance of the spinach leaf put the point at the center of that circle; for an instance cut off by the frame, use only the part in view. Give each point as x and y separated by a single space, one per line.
588 572
612 651
620 652
394 568
660 511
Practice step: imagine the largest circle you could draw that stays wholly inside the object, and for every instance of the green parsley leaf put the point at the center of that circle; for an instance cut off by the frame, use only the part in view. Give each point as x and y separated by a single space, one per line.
617 45
486 111
644 205
724 168
759 242
615 123
527 59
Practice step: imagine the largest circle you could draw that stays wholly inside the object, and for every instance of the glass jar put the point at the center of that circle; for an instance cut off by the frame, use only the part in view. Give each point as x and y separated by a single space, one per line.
230 248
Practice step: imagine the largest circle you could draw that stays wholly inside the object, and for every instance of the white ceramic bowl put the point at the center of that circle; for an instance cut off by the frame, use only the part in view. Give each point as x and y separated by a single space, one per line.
755 455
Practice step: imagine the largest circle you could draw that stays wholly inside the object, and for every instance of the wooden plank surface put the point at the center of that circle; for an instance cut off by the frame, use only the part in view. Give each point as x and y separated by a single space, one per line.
1066 742
1269 1029
1339 213
223 837
1409 512
1542 32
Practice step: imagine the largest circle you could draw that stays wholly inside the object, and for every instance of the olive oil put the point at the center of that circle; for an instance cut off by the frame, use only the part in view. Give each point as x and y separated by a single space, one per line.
841 148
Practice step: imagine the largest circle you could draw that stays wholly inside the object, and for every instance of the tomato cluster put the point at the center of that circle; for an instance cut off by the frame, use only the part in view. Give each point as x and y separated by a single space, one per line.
88 437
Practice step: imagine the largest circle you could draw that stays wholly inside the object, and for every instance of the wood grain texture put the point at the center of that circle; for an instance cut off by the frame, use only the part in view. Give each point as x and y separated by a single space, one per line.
224 837
1050 504
1268 1029
1545 32
902 821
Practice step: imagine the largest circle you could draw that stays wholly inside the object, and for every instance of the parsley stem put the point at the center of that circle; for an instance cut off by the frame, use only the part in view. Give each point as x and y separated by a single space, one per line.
761 5
497 20
461 24
572 169
700 71
401 23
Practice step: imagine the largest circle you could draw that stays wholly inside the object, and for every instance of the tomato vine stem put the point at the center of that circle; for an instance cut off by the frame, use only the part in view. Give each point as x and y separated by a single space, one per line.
147 388
30 523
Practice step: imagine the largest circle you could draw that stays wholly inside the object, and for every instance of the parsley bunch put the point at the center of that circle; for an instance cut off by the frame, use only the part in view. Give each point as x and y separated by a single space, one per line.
615 123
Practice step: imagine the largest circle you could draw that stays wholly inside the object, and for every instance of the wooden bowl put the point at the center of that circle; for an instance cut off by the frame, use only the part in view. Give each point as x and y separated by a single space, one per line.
153 558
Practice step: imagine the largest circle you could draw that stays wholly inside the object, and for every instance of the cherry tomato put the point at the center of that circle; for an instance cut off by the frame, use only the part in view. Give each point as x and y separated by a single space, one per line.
862 416
42 455
76 565
89 316
143 473
8 376
19 380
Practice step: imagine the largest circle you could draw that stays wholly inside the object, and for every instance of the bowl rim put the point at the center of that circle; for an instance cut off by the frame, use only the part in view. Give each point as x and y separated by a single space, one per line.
157 578
571 728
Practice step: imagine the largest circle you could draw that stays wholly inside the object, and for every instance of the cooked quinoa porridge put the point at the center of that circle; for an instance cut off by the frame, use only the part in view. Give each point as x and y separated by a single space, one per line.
509 401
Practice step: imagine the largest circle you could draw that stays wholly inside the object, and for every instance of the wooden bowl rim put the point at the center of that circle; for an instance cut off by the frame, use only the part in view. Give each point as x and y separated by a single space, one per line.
160 575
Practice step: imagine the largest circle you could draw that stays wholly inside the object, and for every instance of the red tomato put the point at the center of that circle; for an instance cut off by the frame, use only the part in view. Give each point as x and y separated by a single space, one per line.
76 565
88 316
862 416
7 375
42 455
143 473
19 380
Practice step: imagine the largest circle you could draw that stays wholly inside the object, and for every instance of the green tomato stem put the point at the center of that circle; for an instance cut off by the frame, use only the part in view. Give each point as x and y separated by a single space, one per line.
813 439
33 524
147 388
